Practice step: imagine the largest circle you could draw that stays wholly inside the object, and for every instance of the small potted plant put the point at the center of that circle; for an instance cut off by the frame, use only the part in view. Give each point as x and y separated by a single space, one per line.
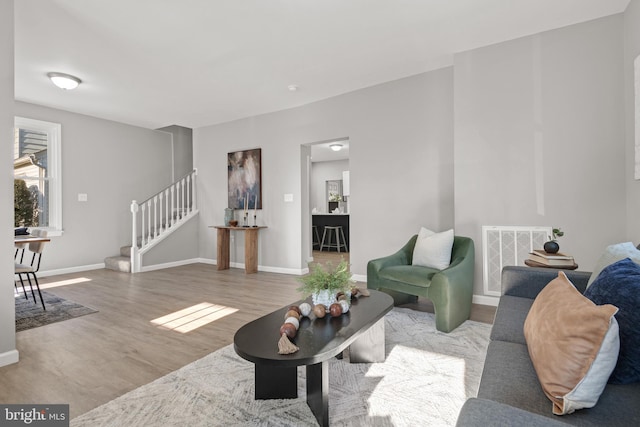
552 247
324 282
334 201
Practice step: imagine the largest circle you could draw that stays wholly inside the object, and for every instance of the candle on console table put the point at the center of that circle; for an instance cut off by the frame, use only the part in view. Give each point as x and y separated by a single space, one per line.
255 206
246 203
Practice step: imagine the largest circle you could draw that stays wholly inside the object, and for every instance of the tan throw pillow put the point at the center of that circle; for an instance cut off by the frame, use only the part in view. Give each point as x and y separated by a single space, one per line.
573 345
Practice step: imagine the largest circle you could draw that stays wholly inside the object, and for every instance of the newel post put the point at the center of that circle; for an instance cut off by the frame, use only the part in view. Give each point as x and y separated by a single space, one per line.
134 237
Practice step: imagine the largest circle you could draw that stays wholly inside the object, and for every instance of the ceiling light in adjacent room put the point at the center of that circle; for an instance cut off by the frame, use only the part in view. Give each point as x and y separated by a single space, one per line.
292 88
336 147
64 81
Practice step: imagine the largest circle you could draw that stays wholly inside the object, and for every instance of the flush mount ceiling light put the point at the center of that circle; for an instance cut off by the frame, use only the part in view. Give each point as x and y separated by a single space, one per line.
64 81
292 88
336 147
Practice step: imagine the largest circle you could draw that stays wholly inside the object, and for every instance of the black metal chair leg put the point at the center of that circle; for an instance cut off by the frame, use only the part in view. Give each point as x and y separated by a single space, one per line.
31 287
26 295
39 293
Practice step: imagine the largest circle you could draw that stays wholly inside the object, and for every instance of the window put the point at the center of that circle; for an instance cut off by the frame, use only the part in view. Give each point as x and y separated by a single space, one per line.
36 172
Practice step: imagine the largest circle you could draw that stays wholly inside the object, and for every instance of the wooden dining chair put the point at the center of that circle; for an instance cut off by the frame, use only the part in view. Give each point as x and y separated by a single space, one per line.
30 270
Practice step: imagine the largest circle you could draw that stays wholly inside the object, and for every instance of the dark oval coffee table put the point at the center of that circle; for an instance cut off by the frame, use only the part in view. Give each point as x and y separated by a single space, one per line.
361 330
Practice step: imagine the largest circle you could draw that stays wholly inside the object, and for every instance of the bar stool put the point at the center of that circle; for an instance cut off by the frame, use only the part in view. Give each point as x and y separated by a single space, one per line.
338 233
315 236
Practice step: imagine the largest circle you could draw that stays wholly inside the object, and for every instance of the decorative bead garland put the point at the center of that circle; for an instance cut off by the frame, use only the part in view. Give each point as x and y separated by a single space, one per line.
291 324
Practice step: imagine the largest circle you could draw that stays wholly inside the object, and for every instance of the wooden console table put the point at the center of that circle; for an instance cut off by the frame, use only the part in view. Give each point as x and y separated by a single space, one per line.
250 247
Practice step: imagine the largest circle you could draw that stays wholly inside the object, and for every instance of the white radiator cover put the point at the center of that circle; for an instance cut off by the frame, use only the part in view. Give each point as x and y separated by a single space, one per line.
507 245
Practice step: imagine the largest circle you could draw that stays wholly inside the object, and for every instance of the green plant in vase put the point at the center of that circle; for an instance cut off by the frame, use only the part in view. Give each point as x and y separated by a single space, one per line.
335 197
323 283
552 246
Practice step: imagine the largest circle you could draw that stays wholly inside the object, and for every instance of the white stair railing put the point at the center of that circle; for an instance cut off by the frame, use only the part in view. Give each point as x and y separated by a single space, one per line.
160 215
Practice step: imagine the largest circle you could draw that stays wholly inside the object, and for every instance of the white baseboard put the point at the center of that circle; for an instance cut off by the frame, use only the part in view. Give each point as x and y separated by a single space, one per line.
486 300
267 269
168 265
70 270
9 357
359 277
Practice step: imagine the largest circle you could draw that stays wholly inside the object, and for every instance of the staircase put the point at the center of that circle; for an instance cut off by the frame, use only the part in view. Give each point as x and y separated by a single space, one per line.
120 263
156 218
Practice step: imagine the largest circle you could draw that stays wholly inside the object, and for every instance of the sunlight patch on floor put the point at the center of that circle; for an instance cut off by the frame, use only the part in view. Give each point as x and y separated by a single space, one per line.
63 282
191 318
440 373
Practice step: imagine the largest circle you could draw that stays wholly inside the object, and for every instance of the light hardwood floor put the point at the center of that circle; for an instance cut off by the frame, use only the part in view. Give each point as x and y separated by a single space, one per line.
93 359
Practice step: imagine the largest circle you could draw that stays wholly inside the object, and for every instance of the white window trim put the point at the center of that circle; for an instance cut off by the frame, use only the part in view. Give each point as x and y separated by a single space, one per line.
54 155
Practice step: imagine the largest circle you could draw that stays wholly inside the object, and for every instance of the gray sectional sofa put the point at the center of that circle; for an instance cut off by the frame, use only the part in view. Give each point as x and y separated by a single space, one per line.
510 393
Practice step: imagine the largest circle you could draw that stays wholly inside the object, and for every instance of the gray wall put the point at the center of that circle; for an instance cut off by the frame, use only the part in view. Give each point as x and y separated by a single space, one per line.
632 50
401 163
539 137
321 172
8 353
113 163
529 113
182 149
179 246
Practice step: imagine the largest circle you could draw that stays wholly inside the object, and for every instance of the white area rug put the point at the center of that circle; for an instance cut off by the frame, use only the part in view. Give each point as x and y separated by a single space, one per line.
425 379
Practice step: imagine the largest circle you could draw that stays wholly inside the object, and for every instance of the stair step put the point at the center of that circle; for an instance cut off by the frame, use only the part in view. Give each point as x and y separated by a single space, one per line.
125 251
118 263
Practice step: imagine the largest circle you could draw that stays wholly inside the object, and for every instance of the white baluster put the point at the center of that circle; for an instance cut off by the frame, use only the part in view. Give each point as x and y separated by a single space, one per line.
163 224
182 205
177 212
167 218
149 235
173 201
189 190
155 216
195 189
142 227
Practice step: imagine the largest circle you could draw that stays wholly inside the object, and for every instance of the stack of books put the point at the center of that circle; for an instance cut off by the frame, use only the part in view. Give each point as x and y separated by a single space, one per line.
555 260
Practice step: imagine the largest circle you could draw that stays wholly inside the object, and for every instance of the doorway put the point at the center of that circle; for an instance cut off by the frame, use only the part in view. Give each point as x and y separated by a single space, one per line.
327 200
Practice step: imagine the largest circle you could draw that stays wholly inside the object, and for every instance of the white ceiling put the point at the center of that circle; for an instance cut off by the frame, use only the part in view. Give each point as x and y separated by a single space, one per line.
322 152
193 63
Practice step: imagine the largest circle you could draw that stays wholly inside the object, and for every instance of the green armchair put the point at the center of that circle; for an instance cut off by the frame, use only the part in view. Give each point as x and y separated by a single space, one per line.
450 290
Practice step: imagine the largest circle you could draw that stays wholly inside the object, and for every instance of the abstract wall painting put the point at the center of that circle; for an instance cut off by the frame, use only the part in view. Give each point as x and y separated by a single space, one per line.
245 179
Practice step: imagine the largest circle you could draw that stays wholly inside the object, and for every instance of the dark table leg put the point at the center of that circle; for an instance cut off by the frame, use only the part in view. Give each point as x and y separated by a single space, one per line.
369 347
273 382
318 391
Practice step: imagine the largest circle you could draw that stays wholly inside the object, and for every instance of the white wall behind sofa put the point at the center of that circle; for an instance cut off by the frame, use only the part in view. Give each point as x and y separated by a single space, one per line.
632 50
539 137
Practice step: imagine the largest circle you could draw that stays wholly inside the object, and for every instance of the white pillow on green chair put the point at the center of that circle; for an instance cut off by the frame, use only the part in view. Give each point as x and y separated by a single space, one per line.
433 249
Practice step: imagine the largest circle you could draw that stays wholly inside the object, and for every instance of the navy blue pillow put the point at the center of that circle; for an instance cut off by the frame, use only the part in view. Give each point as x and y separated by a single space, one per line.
619 284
